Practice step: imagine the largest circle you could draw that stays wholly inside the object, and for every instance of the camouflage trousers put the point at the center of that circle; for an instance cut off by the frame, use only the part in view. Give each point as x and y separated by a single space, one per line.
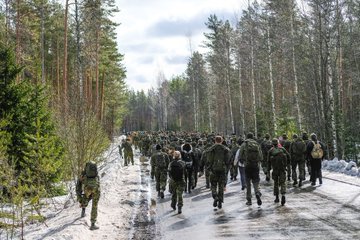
91 193
265 169
160 178
300 164
218 181
288 169
128 157
233 171
252 175
207 177
177 189
279 181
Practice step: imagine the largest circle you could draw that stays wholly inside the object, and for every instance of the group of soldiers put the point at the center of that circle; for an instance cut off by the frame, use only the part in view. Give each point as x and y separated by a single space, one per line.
179 159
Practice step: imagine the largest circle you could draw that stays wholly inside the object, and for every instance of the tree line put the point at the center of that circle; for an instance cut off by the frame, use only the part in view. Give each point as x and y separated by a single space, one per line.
62 99
278 67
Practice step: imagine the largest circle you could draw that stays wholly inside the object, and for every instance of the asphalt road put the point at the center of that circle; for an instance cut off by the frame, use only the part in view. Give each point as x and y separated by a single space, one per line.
328 211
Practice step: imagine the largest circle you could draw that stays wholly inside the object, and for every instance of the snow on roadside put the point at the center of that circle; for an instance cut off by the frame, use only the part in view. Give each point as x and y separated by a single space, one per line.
115 210
341 166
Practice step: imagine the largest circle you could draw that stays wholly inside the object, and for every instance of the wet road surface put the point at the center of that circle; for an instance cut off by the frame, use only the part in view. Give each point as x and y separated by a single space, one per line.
329 211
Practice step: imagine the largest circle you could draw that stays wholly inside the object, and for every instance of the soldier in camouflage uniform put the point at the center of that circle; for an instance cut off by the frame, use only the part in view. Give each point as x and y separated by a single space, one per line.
285 143
297 153
218 157
277 161
204 164
266 145
305 138
251 156
233 168
177 181
88 188
160 160
128 152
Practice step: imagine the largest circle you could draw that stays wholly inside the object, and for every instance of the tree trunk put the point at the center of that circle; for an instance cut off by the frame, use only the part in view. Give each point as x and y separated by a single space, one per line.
65 80
253 86
296 91
271 81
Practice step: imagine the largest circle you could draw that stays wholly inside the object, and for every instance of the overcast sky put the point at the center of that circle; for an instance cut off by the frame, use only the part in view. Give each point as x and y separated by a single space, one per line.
154 34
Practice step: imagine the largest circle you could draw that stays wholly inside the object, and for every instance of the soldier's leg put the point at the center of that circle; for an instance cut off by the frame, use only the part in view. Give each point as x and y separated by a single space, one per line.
174 195
214 185
179 191
275 177
190 176
95 200
301 170
157 181
207 178
242 177
132 158
282 183
163 179
288 168
256 183
248 175
221 183
293 171
126 159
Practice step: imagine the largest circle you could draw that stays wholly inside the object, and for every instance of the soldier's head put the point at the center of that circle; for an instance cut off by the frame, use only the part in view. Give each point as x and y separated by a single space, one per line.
250 135
275 141
284 136
218 139
305 136
295 136
177 155
313 137
267 136
158 147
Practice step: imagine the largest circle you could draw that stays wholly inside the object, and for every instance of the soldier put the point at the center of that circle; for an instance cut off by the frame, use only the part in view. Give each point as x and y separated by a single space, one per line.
128 152
88 188
204 163
286 144
218 157
297 153
233 168
251 156
240 164
305 138
266 145
315 151
277 161
177 181
160 160
187 156
196 163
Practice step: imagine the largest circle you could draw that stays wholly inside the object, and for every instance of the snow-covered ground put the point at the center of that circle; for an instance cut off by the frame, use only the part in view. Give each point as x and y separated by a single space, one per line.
122 189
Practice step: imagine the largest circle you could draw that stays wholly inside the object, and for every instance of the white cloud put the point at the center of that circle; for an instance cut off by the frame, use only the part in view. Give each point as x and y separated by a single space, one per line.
154 34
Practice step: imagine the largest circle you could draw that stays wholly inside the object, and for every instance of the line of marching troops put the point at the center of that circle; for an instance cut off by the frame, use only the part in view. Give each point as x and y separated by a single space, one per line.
180 158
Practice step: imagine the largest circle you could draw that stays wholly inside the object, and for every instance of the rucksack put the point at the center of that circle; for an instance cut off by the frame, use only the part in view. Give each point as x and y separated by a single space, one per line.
91 170
176 170
278 158
160 161
252 153
266 146
317 152
217 158
187 158
298 148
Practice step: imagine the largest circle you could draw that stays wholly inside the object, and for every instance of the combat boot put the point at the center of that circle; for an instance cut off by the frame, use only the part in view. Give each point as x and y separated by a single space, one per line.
215 203
320 180
173 206
276 198
248 202
179 210
83 212
93 226
159 194
219 205
162 194
283 200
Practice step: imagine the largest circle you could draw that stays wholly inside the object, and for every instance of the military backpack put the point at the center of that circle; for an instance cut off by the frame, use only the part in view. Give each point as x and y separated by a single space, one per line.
252 153
216 157
317 152
176 170
298 147
278 158
187 158
161 162
91 170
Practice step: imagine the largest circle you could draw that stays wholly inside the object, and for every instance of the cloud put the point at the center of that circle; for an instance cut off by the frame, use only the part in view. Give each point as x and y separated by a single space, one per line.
177 59
140 79
182 27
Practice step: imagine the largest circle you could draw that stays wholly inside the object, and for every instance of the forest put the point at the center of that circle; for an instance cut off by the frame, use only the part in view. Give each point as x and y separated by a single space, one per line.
281 67
278 68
